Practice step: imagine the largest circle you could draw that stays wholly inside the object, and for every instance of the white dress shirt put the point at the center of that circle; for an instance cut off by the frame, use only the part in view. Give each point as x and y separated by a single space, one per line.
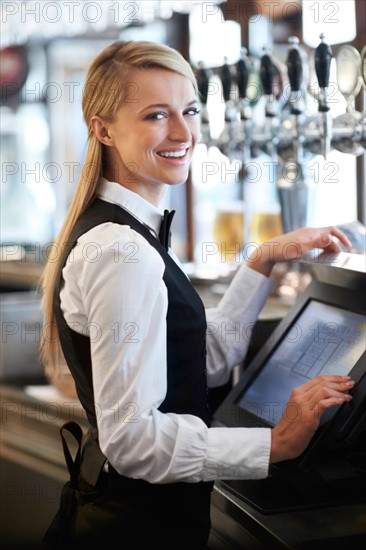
114 292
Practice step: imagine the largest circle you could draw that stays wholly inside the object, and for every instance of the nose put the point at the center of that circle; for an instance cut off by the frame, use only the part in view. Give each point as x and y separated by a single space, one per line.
179 129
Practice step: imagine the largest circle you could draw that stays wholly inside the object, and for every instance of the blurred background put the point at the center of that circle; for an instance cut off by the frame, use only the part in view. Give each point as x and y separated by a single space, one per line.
283 87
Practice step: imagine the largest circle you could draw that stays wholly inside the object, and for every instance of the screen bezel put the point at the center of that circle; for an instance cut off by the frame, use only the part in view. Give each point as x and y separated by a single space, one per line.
230 414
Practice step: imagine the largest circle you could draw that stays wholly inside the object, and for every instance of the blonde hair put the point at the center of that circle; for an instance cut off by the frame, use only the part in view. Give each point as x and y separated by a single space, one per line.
106 89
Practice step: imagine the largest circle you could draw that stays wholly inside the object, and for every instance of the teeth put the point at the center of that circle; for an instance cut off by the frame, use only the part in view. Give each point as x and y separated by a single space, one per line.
176 154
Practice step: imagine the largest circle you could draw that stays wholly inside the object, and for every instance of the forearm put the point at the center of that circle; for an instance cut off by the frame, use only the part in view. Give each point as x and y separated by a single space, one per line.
230 324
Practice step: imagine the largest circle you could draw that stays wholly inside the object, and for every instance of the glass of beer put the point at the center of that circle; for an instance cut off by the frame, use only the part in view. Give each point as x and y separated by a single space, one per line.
263 226
228 231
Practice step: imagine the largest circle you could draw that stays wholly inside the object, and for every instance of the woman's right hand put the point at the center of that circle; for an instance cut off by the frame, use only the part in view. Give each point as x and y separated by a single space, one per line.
301 416
291 246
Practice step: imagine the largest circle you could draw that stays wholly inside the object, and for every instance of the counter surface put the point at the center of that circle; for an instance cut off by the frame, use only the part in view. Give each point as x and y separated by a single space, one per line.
328 527
30 422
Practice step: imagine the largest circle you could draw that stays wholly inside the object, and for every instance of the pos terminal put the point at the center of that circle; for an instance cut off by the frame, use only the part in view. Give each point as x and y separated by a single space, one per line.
324 332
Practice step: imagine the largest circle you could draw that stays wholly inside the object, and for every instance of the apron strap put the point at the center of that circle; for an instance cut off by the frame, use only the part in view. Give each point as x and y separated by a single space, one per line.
72 465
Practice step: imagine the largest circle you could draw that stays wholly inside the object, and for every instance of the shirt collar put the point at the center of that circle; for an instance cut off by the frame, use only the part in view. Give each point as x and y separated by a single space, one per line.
143 210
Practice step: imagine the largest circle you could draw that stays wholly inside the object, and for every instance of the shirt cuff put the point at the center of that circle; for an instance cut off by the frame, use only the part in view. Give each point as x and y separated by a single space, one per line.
237 453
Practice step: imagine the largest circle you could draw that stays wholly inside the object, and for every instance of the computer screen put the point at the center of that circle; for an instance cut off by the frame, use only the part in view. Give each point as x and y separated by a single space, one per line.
324 339
323 333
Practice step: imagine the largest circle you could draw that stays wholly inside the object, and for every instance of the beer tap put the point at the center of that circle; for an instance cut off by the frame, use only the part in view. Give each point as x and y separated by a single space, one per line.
295 74
267 74
363 80
242 78
227 142
292 189
323 58
203 80
347 128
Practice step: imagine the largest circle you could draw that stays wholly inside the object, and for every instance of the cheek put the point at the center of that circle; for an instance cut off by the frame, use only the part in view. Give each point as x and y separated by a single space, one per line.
152 142
119 140
195 129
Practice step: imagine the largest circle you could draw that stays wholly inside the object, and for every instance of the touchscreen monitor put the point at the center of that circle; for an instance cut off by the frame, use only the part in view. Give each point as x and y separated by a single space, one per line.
324 339
324 333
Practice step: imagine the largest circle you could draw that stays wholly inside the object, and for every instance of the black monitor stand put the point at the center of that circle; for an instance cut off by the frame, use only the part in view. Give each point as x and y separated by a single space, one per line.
329 483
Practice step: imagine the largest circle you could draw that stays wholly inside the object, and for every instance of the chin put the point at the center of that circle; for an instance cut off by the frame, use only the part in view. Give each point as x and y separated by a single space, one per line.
178 180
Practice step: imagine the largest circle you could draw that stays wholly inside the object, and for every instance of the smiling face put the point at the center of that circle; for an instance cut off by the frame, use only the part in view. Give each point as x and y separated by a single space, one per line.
152 137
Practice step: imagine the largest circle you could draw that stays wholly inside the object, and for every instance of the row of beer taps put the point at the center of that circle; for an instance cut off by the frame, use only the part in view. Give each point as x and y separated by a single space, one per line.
288 129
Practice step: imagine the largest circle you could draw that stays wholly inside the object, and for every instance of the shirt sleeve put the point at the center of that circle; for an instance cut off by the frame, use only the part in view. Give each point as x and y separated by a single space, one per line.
230 324
114 292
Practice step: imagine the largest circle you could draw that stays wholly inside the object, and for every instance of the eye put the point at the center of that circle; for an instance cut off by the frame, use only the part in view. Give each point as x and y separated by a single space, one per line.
193 111
156 116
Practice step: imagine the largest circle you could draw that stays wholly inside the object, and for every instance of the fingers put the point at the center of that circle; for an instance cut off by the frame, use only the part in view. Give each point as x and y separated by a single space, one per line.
301 416
309 238
333 401
326 241
330 246
336 381
324 386
340 235
328 397
321 393
293 245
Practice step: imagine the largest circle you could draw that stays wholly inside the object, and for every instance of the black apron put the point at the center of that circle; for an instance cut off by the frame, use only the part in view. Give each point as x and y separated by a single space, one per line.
108 506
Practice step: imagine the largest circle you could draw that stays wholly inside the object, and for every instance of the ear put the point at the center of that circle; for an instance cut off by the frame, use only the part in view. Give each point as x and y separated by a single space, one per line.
100 129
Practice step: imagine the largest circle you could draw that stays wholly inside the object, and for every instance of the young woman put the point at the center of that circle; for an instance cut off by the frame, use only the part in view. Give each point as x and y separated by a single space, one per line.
133 329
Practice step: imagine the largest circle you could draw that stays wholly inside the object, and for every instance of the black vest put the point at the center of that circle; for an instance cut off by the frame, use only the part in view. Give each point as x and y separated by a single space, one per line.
186 327
110 506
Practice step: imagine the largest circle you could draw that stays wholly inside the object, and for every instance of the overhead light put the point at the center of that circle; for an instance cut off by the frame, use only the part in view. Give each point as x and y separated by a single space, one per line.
28 20
336 19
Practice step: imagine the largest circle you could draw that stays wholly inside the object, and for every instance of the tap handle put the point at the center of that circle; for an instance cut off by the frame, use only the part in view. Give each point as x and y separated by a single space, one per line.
323 58
226 80
294 65
242 74
203 78
363 66
267 73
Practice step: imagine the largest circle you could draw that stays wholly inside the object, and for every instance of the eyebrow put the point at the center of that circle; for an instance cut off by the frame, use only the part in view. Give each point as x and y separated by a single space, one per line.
166 105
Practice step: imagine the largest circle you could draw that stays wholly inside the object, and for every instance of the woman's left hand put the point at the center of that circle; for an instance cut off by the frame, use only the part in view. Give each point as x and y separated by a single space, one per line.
295 244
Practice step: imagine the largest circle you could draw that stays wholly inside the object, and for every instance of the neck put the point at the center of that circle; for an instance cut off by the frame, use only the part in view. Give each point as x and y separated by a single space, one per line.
152 193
